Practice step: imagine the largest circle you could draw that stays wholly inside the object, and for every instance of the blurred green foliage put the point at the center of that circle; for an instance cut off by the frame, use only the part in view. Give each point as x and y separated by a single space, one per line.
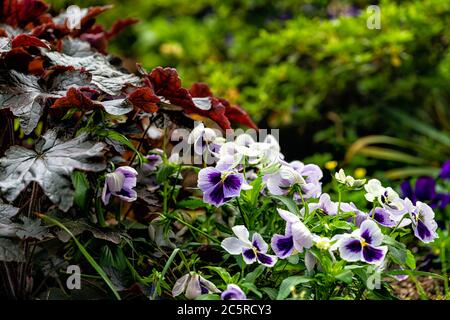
312 67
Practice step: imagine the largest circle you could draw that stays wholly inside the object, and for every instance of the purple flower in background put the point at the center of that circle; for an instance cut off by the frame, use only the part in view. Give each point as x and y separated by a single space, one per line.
325 206
296 236
193 286
363 244
253 251
445 171
233 292
153 160
423 222
120 183
425 191
221 184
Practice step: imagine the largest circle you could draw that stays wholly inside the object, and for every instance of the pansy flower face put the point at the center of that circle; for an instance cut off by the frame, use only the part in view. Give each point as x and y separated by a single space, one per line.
423 222
325 206
202 138
233 292
193 286
252 251
363 244
296 236
220 184
386 197
281 182
120 183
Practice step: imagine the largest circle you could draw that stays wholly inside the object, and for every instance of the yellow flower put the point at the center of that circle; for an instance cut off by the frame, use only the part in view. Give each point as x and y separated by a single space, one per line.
360 172
330 165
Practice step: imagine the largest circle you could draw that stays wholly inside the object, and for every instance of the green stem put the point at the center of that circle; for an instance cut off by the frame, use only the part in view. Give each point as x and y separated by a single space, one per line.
85 253
244 216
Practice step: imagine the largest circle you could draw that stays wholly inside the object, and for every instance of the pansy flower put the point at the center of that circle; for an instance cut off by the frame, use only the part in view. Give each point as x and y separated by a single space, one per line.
423 223
120 183
445 171
193 285
202 138
424 190
153 160
221 184
363 244
233 292
282 181
252 251
324 206
296 236
386 197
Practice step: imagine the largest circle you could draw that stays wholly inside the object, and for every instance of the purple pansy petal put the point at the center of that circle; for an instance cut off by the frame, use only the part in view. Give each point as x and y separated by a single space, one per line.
232 245
153 160
425 189
371 232
127 195
424 231
232 185
208 178
283 246
350 249
215 195
382 217
233 292
445 171
374 255
259 243
266 259
407 191
249 256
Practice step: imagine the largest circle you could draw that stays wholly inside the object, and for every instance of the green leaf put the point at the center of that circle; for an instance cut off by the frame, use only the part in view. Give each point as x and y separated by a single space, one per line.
81 185
289 203
410 260
345 276
251 287
210 296
224 274
116 136
191 203
164 173
271 292
11 251
252 276
289 284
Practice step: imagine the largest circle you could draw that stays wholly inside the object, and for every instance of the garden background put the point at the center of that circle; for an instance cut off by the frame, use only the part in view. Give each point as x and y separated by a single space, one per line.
312 69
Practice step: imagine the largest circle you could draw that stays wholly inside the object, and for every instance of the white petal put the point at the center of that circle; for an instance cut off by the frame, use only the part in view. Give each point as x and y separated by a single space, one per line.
288 216
180 285
242 233
371 229
232 245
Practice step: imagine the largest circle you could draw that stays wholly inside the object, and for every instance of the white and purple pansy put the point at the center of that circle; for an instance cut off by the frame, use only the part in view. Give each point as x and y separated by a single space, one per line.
423 223
221 184
233 292
324 206
282 181
363 244
120 183
193 285
202 138
296 236
252 251
386 197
